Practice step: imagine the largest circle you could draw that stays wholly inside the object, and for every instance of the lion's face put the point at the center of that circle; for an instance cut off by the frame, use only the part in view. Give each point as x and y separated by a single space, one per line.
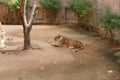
57 37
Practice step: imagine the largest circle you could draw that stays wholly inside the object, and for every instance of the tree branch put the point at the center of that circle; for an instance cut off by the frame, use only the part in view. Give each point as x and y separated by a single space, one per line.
28 23
32 15
24 14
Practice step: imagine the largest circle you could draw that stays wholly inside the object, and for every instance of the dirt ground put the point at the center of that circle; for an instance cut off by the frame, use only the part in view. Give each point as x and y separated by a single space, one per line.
95 62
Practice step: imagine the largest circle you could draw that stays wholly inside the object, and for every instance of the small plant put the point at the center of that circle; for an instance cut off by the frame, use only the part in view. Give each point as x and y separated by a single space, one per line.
3 2
51 7
14 4
83 7
118 55
111 21
51 4
84 10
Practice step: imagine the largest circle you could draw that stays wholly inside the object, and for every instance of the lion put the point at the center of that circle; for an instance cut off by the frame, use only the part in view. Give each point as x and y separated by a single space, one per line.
2 37
63 41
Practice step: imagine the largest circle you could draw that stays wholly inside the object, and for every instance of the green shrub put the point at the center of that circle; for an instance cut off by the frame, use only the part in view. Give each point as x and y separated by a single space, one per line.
110 18
84 10
51 4
111 21
83 7
118 55
51 7
3 2
15 4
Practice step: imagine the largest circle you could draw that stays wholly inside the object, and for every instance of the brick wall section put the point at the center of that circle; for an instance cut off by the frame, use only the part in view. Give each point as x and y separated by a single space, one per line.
113 4
10 17
3 13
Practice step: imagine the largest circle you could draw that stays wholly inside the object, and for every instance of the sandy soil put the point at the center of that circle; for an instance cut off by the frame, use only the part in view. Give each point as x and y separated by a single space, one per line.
95 62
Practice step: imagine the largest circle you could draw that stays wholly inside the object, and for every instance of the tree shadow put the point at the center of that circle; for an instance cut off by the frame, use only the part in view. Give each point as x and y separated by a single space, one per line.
19 50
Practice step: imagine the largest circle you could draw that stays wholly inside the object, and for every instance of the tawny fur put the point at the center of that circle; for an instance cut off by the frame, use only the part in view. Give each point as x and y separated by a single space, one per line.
63 41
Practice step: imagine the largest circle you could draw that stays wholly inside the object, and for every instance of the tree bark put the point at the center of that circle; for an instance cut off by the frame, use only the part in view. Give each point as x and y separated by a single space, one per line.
27 41
27 24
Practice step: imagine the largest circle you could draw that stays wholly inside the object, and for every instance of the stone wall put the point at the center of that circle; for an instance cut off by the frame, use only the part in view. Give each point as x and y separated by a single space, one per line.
113 4
64 15
8 16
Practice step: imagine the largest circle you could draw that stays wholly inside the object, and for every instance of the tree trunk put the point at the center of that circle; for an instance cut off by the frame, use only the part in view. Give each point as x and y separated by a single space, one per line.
27 24
27 41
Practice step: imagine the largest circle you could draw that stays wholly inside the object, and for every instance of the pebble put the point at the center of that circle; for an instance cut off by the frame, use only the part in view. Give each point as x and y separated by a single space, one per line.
103 58
110 71
55 62
42 68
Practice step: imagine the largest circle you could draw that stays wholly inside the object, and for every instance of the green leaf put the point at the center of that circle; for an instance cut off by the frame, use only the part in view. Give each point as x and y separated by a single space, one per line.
3 2
117 54
118 60
51 4
15 4
83 7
